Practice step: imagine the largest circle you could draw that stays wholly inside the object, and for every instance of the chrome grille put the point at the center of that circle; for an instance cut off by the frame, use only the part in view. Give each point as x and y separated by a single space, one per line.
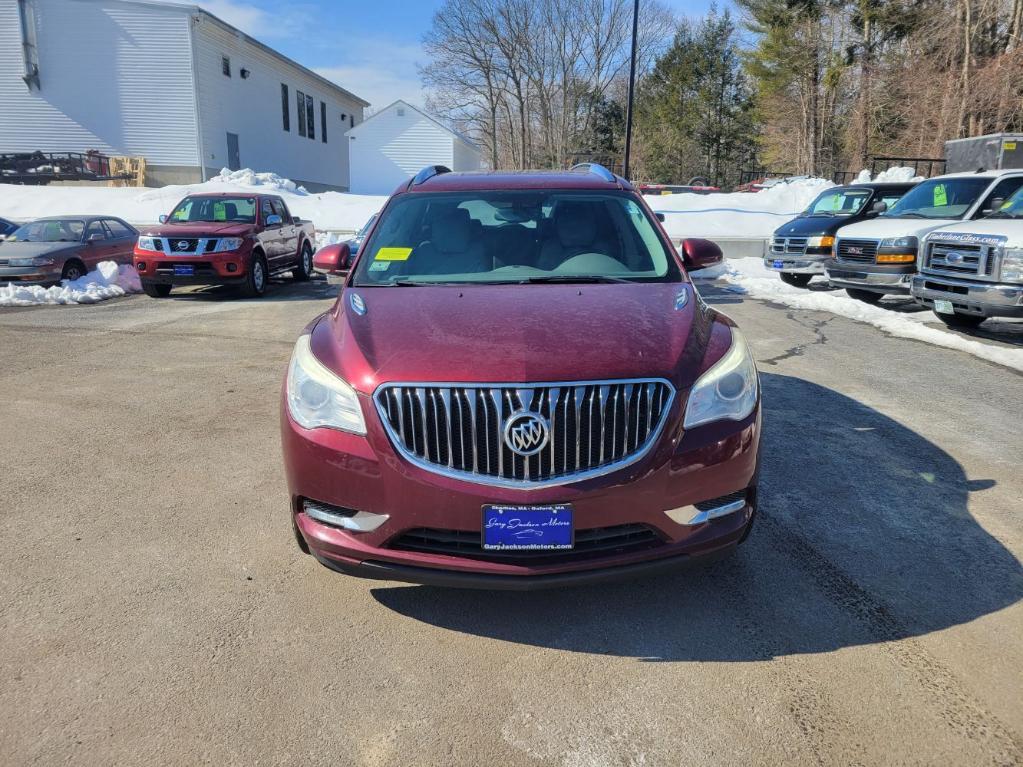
458 429
857 251
170 246
790 245
957 258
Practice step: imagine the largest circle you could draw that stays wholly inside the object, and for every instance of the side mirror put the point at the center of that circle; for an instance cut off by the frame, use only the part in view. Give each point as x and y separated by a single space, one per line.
274 220
95 236
996 204
660 217
333 259
699 254
296 220
163 218
879 207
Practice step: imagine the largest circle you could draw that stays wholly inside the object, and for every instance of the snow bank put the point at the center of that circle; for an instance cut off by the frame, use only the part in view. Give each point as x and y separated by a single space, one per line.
898 174
750 277
736 215
107 281
327 210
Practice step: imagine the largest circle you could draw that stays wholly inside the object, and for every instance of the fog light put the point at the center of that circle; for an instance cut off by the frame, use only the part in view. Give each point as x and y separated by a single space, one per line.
349 519
704 511
232 267
141 266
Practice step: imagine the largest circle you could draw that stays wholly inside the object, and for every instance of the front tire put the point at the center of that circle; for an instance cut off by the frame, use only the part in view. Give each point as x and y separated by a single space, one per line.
866 296
255 281
796 280
958 320
304 270
156 290
73 270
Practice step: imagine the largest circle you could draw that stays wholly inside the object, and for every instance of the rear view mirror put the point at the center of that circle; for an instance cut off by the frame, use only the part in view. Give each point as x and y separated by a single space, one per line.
699 254
333 259
274 220
660 217
879 207
163 218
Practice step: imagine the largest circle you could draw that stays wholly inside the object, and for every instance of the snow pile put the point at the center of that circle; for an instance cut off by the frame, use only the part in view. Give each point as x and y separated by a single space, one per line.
750 277
898 174
736 215
249 177
328 210
107 281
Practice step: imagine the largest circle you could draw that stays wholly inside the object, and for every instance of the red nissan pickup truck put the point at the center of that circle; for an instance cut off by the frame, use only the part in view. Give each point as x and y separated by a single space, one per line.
225 239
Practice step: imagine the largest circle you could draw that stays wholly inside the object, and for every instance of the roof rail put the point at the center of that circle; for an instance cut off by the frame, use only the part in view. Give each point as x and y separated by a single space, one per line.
597 169
427 173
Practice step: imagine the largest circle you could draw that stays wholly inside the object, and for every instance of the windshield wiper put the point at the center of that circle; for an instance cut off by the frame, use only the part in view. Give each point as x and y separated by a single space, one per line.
569 278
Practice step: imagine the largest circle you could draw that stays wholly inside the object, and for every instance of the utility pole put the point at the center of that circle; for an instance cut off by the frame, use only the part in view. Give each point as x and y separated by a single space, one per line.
632 87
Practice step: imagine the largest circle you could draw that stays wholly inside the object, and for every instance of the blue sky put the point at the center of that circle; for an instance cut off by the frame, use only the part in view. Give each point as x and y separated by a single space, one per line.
371 47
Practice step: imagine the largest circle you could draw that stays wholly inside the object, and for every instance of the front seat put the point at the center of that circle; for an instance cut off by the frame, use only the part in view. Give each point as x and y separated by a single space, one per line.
575 232
452 247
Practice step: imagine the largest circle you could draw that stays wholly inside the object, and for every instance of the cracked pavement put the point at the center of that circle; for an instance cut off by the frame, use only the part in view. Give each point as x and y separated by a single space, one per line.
157 610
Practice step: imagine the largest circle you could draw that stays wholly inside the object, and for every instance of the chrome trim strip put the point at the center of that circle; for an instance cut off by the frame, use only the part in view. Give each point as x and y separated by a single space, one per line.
643 447
690 515
359 522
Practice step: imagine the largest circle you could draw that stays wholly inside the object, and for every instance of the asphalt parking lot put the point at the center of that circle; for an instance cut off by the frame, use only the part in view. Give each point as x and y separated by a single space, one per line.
157 610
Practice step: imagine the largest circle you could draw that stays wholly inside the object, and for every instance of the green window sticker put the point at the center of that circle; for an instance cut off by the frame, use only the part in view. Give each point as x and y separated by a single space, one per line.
836 202
940 196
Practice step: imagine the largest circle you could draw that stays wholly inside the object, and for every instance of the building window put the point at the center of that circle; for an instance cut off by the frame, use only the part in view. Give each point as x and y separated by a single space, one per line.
323 122
401 111
351 121
225 66
285 107
310 117
29 50
300 100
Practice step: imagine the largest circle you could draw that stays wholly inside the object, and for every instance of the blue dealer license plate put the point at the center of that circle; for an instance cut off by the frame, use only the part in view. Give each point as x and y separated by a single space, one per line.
528 528
181 270
777 264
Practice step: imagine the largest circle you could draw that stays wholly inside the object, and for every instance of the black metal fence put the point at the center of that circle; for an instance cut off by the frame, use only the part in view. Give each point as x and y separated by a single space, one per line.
922 166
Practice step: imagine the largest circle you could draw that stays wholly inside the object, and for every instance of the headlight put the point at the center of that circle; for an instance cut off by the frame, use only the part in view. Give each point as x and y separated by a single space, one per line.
147 243
905 243
37 261
728 391
826 241
317 397
1012 264
228 243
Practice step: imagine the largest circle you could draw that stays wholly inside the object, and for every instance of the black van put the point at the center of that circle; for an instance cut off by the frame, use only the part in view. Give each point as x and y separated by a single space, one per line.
800 247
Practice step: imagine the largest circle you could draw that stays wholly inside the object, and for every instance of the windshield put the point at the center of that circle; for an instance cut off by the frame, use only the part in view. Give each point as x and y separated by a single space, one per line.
241 210
939 198
64 230
522 236
838 202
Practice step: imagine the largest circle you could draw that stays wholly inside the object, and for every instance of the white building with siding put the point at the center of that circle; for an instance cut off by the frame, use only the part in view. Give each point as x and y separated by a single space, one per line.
171 83
397 142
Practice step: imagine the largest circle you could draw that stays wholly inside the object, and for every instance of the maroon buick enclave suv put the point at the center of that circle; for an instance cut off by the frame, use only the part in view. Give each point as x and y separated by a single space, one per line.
518 387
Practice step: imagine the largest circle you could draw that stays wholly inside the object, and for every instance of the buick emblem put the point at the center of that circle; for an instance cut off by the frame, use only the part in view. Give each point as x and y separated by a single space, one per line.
526 433
954 258
181 245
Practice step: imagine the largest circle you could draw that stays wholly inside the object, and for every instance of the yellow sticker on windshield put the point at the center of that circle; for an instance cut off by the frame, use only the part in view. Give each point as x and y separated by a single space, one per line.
940 196
1009 146
393 254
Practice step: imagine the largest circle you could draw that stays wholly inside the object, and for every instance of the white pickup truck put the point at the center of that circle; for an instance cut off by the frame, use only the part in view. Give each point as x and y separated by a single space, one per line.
878 257
974 270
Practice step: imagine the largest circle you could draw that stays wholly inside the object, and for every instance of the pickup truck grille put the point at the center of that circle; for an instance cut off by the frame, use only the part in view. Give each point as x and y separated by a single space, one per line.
790 245
961 259
184 246
857 251
464 430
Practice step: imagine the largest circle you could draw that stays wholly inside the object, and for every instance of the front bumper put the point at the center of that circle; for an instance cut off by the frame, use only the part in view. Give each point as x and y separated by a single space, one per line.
873 277
366 474
790 264
984 299
29 275
214 269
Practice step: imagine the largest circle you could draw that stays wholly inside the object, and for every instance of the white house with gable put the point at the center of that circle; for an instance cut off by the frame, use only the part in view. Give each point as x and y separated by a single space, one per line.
397 142
171 83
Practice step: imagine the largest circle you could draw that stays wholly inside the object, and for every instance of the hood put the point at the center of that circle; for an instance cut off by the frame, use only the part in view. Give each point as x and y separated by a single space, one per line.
810 226
881 227
10 249
203 229
520 333
987 227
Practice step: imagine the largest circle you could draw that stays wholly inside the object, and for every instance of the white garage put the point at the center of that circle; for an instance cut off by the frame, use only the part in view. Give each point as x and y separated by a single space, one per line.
400 140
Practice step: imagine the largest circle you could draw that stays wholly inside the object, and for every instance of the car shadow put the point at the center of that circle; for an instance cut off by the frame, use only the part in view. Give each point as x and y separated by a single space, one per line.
864 535
278 289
